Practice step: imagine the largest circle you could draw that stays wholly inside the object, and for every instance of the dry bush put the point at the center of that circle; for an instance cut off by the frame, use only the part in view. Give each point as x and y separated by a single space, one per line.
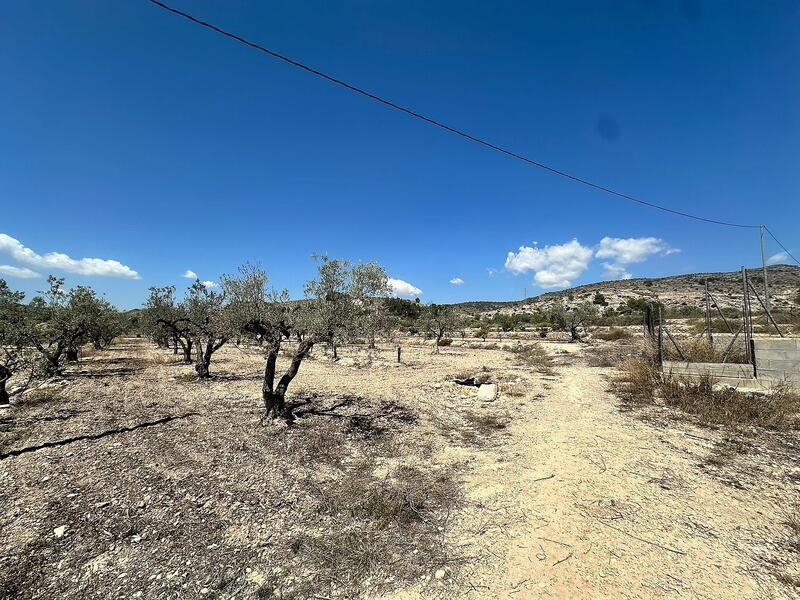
486 423
515 389
709 404
444 342
323 444
726 450
483 375
697 349
639 380
473 428
612 334
791 520
612 356
482 346
534 356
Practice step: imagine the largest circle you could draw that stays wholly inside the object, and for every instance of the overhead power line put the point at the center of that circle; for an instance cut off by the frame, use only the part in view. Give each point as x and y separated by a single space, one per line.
785 249
461 133
446 127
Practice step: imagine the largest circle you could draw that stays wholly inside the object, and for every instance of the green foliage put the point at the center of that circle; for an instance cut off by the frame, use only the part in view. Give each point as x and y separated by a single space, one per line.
599 299
62 321
405 313
639 306
15 355
438 320
572 318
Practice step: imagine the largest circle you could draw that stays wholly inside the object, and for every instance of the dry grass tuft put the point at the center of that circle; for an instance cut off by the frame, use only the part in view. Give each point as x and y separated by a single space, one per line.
792 522
697 349
473 428
642 383
612 334
610 356
486 423
535 356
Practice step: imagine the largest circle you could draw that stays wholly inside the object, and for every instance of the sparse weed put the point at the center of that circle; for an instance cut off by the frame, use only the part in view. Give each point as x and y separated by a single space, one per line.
535 356
710 404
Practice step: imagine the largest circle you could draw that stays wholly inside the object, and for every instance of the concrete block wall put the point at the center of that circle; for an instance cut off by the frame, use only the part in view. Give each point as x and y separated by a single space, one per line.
679 368
778 359
733 374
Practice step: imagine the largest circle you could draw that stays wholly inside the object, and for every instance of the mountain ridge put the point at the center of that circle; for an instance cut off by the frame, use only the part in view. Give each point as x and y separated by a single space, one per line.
673 291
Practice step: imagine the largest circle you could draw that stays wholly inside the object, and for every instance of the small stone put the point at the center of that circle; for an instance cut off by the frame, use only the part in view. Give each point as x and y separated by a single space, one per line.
440 574
60 531
487 392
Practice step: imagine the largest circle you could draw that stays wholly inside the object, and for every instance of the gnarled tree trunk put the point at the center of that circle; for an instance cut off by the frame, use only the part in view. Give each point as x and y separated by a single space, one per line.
187 351
203 362
275 398
72 355
5 375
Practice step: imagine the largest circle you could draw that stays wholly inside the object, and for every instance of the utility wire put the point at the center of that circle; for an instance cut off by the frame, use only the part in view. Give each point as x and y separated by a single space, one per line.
461 133
441 125
781 245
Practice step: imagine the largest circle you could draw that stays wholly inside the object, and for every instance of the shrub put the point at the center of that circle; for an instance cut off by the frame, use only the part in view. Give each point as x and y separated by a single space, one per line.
599 299
535 356
710 404
613 334
445 342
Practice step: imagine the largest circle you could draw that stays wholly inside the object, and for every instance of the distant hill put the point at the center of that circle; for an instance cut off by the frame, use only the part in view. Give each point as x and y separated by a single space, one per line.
673 291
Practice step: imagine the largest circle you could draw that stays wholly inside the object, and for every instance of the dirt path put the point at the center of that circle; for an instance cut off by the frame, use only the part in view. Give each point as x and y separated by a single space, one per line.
628 512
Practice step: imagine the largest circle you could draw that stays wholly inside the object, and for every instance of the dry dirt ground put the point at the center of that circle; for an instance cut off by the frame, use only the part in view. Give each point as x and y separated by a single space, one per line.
555 489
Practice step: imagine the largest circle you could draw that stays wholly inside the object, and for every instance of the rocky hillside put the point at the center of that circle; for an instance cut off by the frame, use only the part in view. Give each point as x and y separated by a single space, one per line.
674 291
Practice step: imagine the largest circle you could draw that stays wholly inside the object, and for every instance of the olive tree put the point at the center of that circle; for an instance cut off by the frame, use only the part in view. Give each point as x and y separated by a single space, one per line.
164 319
61 321
16 357
331 311
107 324
369 286
207 324
437 320
565 318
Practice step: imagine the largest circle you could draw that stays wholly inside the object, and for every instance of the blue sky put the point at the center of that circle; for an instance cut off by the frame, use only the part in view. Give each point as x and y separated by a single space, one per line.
129 135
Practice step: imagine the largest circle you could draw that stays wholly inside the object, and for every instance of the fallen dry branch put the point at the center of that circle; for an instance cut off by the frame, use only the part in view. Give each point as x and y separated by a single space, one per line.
635 537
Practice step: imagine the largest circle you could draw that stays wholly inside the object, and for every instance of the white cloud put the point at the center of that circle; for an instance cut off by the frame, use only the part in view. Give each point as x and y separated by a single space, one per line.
625 251
190 274
779 257
616 271
57 260
210 284
457 281
555 266
403 288
21 272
